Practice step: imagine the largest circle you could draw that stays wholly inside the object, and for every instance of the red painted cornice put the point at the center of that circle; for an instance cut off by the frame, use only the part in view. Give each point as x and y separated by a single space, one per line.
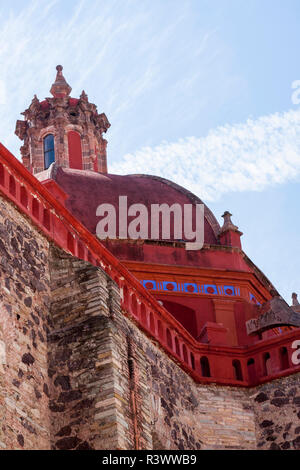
246 279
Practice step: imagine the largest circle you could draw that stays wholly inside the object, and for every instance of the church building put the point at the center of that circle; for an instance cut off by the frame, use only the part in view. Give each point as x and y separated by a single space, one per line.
125 343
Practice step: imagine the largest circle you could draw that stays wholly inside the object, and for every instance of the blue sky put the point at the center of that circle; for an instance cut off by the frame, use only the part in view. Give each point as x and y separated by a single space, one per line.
197 91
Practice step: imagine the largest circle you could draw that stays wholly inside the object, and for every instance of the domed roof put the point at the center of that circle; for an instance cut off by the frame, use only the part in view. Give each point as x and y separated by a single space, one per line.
87 190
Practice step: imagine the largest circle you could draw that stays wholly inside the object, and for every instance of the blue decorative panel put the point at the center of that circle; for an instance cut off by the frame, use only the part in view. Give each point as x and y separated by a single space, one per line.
170 286
253 299
194 288
189 287
229 290
149 285
210 289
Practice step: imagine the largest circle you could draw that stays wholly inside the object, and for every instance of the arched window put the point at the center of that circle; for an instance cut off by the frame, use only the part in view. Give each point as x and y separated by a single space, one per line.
24 196
185 354
143 314
193 361
160 329
125 296
177 348
266 364
251 370
169 339
35 208
46 219
1 174
49 156
12 185
284 358
204 364
152 324
80 250
238 375
70 242
134 306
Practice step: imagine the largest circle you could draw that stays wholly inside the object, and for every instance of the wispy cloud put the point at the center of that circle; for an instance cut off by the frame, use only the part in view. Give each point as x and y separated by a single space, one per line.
2 92
83 35
126 54
244 157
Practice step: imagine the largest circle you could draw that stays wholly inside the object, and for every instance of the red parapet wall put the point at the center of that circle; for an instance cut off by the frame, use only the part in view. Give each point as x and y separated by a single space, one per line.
206 363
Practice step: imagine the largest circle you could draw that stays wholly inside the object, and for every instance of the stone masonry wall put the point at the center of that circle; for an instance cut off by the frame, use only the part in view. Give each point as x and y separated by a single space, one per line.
112 387
185 415
89 387
76 373
277 411
24 307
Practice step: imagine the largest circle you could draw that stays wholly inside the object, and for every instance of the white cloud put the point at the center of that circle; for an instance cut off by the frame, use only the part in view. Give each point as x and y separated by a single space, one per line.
136 60
95 39
2 92
87 37
243 157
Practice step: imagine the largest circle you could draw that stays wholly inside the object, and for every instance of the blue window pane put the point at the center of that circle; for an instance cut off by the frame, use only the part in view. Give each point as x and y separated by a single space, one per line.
49 154
49 142
49 158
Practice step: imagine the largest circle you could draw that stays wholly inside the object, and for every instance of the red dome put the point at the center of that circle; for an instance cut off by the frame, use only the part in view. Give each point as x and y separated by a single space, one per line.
87 190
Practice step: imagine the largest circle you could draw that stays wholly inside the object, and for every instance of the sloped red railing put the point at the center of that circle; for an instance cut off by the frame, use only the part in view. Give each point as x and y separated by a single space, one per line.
239 366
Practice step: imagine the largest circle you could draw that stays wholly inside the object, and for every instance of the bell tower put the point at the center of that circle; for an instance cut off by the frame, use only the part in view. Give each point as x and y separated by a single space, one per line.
67 131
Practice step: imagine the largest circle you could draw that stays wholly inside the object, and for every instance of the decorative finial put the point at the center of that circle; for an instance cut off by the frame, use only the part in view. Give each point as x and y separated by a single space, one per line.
295 299
229 233
84 96
34 103
35 99
227 215
228 225
60 87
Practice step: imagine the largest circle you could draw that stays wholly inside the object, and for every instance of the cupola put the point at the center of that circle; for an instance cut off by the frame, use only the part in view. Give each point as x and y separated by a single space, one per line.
67 131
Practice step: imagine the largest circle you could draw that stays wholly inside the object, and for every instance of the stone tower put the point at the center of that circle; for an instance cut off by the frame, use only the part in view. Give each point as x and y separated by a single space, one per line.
66 130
